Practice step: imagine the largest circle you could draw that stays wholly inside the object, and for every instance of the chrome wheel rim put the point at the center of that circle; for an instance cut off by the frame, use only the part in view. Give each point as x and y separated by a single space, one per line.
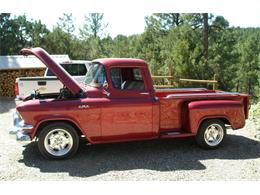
58 142
214 134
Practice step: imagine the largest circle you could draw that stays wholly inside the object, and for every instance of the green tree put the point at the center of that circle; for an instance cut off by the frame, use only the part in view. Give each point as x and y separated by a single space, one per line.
59 42
94 26
66 23
18 32
37 33
6 34
249 65
164 21
223 57
182 53
148 47
121 46
13 34
61 39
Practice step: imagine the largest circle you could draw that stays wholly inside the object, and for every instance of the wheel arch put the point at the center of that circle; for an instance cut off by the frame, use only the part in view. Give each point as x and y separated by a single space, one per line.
45 122
224 119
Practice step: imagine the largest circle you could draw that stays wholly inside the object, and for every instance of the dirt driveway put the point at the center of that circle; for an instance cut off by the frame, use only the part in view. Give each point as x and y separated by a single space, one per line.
179 159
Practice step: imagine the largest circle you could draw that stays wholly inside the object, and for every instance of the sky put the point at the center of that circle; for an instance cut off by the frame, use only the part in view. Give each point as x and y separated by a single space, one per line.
127 17
128 24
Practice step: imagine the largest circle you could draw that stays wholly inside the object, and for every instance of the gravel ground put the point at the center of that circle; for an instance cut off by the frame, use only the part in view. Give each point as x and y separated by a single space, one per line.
179 159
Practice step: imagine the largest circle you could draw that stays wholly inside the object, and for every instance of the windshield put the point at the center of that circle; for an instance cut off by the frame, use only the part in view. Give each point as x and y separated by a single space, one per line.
96 75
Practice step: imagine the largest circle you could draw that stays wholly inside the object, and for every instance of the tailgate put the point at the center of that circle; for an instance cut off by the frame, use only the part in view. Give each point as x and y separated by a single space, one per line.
45 85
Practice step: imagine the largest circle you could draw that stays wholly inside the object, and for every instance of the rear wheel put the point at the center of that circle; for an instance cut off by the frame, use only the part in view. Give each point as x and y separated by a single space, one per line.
211 134
58 141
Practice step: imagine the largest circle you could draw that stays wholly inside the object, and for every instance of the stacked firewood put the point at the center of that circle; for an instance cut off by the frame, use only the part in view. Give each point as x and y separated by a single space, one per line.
7 79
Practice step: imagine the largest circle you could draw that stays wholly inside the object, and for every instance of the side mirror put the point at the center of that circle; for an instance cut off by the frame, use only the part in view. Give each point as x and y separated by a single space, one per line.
105 85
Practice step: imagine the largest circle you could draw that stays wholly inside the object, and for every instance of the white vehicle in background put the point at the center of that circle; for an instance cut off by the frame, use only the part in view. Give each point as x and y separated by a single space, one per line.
49 83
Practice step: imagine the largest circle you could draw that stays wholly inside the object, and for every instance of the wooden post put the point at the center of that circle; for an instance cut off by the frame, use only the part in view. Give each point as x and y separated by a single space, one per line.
215 84
214 81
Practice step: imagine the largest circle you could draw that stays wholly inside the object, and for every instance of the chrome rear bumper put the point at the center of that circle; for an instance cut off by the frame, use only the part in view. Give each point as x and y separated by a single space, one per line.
19 128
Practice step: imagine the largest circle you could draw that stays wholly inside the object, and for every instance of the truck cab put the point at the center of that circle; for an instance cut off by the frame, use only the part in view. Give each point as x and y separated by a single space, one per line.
129 101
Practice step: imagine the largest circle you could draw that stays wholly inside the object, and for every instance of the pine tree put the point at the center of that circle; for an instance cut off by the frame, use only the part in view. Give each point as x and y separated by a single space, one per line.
249 65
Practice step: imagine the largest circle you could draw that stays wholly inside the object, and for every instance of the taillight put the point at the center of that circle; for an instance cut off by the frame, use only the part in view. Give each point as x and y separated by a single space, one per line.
16 89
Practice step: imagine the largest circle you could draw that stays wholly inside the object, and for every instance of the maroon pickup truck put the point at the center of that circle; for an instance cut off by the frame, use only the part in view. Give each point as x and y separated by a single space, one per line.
118 103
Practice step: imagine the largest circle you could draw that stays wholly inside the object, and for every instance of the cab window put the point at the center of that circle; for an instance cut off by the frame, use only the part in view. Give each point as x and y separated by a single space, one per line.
127 78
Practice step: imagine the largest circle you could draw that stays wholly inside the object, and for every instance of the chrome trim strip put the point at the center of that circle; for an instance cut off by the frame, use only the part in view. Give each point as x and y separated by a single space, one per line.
27 127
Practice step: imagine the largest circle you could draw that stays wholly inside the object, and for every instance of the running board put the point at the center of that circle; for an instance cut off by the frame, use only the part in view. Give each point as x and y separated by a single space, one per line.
175 134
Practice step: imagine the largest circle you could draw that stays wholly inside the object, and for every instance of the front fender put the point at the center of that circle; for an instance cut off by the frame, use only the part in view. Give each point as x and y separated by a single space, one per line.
230 110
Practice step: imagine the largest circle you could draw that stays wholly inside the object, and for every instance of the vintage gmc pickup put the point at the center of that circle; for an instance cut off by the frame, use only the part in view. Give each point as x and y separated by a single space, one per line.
118 103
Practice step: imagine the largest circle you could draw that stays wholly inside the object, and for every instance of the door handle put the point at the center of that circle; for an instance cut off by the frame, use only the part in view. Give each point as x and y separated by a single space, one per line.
145 93
41 83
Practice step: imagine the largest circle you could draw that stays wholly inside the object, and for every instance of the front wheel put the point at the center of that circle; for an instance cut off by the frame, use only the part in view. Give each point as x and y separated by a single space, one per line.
58 141
211 134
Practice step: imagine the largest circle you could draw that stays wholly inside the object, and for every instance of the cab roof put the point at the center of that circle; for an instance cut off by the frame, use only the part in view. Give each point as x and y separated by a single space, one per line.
120 62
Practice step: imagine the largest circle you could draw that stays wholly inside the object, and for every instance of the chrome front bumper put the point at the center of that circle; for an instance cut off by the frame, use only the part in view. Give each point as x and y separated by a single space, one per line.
19 128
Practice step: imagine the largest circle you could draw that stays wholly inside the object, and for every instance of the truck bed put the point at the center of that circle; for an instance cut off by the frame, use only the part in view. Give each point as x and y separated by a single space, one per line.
174 105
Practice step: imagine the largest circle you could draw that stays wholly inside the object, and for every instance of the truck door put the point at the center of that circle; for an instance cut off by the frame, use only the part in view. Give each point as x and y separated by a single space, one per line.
128 113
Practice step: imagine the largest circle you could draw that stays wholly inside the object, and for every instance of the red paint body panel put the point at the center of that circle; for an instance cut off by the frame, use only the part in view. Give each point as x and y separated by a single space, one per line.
231 110
124 62
132 115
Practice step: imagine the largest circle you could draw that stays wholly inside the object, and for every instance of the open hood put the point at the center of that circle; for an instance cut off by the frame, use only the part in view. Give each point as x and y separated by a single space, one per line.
58 70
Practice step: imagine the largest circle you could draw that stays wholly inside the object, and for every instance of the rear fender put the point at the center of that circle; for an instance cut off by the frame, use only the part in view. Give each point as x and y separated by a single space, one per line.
227 110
